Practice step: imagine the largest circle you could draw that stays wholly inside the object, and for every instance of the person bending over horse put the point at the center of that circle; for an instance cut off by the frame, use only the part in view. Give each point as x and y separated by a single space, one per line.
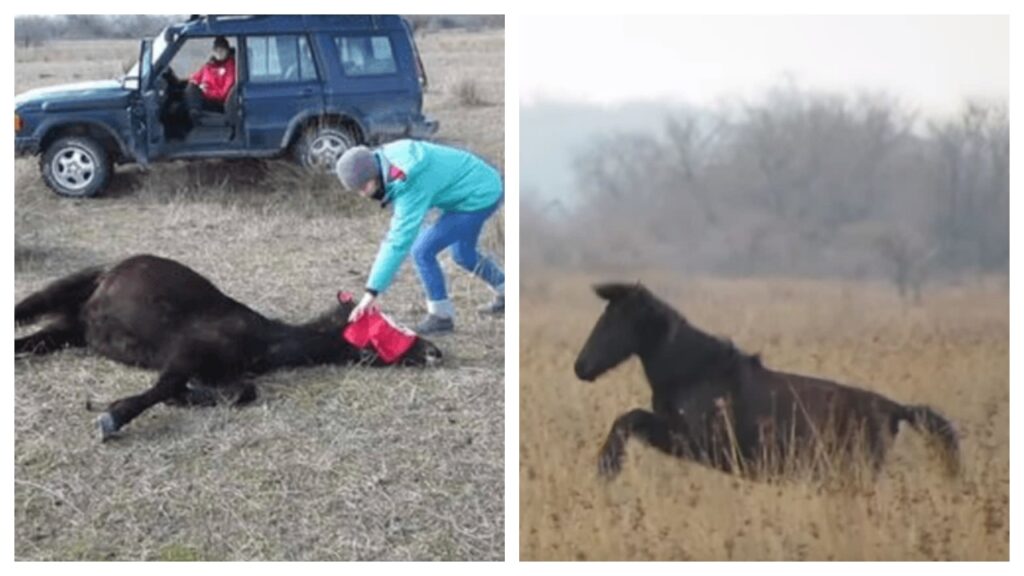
414 177
209 87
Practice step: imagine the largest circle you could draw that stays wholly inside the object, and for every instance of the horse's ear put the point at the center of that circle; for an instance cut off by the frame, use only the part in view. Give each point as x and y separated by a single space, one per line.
613 291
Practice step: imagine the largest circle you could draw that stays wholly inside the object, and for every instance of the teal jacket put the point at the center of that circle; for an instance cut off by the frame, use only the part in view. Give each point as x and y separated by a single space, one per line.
435 176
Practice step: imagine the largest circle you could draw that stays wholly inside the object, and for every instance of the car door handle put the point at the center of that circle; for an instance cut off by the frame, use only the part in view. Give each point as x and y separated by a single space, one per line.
307 92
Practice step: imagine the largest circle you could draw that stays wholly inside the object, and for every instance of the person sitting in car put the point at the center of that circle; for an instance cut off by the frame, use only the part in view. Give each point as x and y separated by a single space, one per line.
209 87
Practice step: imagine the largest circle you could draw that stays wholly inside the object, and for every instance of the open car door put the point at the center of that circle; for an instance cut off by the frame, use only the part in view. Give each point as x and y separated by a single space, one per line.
147 128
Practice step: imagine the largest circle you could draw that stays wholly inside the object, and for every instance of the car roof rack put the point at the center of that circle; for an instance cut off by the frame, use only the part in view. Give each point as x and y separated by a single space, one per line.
220 17
212 20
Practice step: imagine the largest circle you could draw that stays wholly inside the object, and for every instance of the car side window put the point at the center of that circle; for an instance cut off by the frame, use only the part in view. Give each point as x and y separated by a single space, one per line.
193 54
366 55
285 58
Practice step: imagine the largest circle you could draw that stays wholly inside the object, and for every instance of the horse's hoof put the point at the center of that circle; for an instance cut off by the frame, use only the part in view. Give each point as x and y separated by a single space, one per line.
105 426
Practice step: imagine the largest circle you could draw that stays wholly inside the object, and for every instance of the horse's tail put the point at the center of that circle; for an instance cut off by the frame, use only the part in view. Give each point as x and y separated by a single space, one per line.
926 420
64 296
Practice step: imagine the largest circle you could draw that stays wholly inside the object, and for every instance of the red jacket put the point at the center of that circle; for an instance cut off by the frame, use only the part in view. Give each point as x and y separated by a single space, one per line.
219 78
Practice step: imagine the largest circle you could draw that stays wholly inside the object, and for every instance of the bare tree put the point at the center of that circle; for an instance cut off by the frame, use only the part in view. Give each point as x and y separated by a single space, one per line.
972 170
691 149
907 260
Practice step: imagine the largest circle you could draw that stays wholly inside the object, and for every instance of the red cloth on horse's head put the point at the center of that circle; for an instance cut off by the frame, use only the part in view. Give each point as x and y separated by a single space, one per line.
375 329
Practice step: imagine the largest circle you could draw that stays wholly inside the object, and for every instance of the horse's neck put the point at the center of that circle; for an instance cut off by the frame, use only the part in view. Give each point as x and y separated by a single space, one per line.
685 356
290 345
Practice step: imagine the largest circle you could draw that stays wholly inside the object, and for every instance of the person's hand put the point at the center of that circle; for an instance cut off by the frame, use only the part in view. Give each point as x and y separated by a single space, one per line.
366 304
203 87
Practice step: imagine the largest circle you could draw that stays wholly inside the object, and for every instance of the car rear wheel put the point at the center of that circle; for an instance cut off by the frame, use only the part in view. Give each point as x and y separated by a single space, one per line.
320 147
76 166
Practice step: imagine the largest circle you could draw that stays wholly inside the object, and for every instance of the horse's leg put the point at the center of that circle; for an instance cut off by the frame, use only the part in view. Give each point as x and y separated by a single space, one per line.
881 435
204 396
121 412
193 397
653 429
246 394
52 338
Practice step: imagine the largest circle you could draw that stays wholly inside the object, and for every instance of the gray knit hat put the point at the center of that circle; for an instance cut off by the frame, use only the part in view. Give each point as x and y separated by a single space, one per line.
356 167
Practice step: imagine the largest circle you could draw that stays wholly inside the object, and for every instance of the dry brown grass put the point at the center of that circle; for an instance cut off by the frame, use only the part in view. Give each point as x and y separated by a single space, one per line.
331 463
951 352
447 69
467 92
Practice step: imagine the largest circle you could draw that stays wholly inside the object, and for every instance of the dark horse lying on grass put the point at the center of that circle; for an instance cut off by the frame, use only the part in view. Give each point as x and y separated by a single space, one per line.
158 314
716 405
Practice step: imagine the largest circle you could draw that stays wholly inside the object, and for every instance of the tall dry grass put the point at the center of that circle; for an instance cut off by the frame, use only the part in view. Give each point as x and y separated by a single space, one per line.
951 352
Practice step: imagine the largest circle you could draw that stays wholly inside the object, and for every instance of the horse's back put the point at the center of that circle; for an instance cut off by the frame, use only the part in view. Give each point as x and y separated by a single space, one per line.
156 279
145 305
820 394
797 407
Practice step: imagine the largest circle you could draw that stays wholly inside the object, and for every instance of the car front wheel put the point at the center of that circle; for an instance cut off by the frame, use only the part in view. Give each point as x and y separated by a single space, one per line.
320 147
76 166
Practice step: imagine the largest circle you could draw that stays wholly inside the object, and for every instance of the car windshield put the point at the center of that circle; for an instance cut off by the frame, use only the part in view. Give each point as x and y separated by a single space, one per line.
131 79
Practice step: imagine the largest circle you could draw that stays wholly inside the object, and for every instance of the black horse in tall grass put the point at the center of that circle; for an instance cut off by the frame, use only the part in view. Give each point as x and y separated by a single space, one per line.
159 314
719 406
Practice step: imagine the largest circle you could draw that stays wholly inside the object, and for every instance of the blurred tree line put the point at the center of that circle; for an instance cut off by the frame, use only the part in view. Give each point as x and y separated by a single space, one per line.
36 30
797 183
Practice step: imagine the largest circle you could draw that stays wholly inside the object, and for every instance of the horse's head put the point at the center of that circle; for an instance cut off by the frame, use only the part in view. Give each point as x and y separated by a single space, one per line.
422 352
620 331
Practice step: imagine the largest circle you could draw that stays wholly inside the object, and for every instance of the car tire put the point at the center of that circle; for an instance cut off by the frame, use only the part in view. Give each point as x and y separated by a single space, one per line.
76 167
320 146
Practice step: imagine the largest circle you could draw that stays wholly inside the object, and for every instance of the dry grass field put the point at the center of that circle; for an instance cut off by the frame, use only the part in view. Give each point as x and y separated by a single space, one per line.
331 463
951 352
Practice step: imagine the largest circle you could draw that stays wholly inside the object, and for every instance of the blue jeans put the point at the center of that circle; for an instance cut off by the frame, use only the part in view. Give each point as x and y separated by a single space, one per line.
461 231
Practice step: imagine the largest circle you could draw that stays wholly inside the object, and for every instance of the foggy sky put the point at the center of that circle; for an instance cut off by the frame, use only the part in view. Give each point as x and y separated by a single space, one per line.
930 62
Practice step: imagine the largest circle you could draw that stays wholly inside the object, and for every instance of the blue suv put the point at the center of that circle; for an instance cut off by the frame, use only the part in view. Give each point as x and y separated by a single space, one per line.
305 86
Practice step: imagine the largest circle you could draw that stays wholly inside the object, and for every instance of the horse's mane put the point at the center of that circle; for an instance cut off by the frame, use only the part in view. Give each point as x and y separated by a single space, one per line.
707 350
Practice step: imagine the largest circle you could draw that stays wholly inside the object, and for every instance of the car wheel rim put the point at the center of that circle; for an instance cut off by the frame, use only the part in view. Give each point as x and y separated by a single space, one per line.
325 150
74 168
